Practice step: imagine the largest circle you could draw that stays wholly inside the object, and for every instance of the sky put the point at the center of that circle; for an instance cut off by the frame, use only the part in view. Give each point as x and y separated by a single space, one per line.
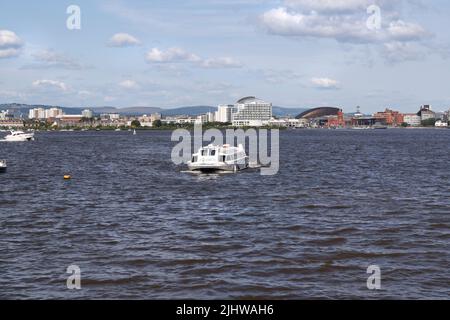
293 53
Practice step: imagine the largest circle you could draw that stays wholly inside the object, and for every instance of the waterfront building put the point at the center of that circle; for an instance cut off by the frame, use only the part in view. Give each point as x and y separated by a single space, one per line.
426 113
88 114
68 119
114 116
223 113
3 114
390 117
11 123
53 113
155 116
358 113
211 117
412 119
147 121
288 123
251 111
336 121
201 119
36 114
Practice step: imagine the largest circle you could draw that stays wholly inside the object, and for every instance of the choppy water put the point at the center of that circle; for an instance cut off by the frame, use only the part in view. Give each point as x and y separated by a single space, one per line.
140 229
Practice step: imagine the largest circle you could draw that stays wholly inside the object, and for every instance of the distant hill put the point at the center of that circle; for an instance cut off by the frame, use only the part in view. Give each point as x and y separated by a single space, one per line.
284 112
130 111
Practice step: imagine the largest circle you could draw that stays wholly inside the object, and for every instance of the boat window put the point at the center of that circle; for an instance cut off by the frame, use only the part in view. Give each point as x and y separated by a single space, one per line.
194 159
203 153
223 158
213 152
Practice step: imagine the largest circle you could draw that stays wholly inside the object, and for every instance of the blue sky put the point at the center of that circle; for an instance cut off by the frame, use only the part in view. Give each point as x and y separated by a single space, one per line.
294 53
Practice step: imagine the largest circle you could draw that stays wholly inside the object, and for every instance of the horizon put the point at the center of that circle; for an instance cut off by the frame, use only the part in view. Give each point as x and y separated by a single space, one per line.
215 107
161 55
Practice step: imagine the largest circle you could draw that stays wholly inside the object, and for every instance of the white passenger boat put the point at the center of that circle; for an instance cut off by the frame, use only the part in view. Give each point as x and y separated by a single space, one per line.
3 166
219 158
19 136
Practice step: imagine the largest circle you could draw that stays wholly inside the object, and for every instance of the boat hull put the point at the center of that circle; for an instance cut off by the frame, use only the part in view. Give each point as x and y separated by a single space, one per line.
224 167
20 139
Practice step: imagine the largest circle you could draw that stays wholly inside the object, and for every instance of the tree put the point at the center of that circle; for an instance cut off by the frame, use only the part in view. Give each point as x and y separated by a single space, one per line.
429 122
157 123
135 124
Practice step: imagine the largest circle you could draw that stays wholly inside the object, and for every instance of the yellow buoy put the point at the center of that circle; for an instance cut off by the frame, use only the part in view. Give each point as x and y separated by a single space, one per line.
67 177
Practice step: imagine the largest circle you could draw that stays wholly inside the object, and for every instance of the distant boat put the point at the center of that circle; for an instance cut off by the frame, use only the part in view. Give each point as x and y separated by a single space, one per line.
134 132
379 126
118 129
19 136
3 166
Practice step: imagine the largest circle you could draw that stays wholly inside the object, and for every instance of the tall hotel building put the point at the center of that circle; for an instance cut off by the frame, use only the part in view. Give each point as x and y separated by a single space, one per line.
223 113
249 111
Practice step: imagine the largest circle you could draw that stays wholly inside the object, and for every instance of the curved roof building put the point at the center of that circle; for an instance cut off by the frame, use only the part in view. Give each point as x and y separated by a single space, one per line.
251 100
319 112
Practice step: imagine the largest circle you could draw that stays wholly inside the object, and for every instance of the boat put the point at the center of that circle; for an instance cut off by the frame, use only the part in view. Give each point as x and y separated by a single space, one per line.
134 133
214 158
379 126
3 165
19 136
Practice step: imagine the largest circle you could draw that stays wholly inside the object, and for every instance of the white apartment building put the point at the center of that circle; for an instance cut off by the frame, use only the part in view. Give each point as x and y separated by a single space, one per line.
147 121
88 114
36 113
223 114
412 119
251 111
426 113
3 115
53 113
41 113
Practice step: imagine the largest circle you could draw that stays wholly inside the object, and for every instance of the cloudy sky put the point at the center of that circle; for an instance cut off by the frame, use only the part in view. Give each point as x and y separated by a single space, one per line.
294 53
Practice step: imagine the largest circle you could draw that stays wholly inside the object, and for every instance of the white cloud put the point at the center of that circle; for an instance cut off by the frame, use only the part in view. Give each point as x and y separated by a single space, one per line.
343 27
10 44
171 55
222 62
109 99
176 54
50 84
330 5
395 52
403 31
49 59
123 40
129 84
84 94
325 83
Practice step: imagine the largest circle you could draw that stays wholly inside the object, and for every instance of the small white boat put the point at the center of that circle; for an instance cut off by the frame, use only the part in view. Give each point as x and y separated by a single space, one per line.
19 136
219 158
3 165
134 133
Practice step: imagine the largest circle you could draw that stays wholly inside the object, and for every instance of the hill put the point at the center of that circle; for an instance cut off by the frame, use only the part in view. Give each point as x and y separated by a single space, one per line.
134 111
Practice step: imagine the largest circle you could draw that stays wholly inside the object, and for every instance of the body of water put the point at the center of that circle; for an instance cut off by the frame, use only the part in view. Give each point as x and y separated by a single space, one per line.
139 228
